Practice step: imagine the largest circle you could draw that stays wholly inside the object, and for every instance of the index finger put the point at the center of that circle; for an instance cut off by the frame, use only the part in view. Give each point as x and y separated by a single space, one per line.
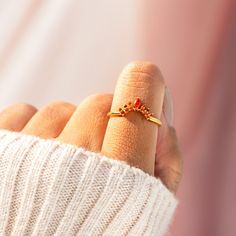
132 138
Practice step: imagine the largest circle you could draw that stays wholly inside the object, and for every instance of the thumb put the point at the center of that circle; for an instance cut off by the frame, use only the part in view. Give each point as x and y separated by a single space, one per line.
168 161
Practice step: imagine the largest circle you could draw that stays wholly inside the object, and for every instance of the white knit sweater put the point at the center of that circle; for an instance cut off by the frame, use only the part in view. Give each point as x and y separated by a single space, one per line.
51 188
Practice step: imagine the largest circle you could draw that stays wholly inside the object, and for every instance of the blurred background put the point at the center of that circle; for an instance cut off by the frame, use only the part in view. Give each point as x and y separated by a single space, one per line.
69 49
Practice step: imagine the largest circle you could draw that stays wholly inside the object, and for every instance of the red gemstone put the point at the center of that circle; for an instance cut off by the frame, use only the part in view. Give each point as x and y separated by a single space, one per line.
137 103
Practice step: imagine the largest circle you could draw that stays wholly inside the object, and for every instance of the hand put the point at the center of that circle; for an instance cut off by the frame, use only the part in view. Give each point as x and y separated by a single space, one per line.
132 138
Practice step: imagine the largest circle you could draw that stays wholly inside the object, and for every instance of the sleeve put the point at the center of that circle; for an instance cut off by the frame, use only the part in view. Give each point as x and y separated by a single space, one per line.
51 188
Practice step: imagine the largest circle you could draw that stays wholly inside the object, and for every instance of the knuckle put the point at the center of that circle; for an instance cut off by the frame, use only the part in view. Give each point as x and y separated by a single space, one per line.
97 100
56 108
23 107
59 105
171 178
143 75
145 67
142 65
100 104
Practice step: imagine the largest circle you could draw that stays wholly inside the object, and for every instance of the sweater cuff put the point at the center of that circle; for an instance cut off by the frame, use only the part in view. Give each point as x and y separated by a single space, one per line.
51 188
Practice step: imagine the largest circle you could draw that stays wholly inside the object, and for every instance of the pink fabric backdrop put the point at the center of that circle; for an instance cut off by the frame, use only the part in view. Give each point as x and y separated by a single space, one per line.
69 49
196 49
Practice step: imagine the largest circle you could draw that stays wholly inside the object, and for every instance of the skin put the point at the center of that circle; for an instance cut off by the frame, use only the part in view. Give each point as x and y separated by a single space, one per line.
131 139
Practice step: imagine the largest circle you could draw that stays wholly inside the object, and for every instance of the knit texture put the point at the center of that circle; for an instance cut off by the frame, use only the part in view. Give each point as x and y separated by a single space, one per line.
51 188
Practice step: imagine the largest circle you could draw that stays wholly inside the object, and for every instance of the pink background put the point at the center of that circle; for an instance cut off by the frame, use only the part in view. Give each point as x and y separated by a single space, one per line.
67 50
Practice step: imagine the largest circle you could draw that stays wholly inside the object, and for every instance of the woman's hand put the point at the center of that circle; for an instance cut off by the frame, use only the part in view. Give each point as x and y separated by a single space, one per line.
132 138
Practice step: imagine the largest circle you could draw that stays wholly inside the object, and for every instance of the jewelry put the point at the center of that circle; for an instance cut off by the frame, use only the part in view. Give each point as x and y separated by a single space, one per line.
136 106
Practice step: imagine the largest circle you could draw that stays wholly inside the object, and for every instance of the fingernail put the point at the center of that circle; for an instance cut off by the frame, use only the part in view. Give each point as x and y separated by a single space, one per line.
168 109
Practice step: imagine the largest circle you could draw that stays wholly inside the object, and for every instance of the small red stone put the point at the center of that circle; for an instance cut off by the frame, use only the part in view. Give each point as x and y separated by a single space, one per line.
137 103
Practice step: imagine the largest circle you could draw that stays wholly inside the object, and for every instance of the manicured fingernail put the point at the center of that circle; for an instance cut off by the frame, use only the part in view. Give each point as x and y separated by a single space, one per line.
168 107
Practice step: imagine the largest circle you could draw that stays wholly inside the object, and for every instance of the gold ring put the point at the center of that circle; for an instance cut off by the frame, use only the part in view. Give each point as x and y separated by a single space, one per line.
135 106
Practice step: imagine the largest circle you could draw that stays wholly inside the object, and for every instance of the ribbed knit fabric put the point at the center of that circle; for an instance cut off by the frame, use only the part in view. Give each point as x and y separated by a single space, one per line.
51 188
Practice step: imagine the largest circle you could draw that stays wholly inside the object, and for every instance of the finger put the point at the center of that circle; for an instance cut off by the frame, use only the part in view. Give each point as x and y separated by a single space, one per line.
50 120
168 165
15 117
132 138
87 126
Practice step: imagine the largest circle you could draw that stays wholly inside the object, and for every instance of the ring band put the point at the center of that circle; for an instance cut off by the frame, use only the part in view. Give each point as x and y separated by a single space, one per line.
136 106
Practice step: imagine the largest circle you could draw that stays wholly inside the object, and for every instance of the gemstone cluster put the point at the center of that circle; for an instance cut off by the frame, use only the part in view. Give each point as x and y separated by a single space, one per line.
136 106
